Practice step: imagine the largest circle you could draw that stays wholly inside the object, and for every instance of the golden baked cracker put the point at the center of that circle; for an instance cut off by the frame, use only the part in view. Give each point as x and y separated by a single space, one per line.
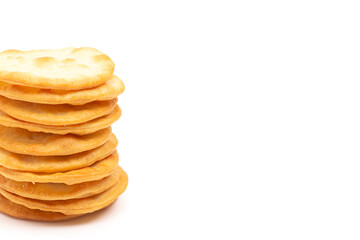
78 129
109 90
19 211
59 191
21 141
97 171
59 115
53 164
65 69
73 206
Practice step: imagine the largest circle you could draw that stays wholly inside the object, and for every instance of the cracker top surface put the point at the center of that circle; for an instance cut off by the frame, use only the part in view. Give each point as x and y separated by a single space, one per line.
64 69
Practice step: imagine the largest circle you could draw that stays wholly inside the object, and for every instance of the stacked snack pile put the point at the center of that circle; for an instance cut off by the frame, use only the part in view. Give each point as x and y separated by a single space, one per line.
58 157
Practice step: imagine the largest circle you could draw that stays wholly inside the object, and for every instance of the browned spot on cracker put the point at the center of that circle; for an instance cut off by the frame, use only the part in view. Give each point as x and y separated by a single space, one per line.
83 65
101 57
41 61
69 60
11 51
77 50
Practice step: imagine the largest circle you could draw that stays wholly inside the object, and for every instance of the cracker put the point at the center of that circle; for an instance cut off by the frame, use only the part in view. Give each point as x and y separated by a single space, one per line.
109 90
21 141
97 171
59 191
65 69
52 164
74 206
19 211
64 114
78 129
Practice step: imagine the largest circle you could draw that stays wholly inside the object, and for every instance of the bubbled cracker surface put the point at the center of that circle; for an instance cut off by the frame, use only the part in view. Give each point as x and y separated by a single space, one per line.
67 68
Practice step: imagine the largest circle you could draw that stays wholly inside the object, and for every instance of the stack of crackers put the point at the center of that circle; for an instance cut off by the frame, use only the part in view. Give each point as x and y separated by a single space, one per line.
58 157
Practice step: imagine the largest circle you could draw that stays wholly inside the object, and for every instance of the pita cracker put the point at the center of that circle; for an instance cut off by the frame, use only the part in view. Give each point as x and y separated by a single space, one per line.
97 171
109 90
19 211
59 191
21 141
78 129
53 164
56 115
73 206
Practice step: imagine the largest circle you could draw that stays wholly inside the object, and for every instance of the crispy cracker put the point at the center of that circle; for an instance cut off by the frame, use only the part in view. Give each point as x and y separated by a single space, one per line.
109 90
59 191
53 164
73 206
58 115
78 129
19 211
65 69
21 141
97 171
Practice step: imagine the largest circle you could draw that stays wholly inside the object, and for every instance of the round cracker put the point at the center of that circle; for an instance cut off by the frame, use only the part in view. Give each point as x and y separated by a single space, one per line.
65 69
63 114
109 90
21 141
78 129
19 211
74 206
52 164
97 171
59 191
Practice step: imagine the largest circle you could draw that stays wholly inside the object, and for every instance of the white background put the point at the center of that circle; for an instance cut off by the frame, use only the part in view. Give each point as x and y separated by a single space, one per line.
241 119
